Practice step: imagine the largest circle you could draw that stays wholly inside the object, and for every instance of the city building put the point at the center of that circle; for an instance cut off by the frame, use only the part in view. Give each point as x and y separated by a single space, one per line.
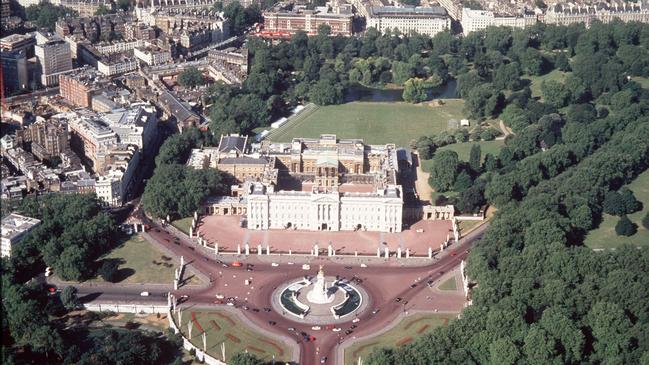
14 229
137 125
473 20
19 42
409 19
15 71
453 8
5 10
569 13
116 180
48 138
80 86
284 21
108 64
86 8
323 184
231 58
54 57
89 134
153 55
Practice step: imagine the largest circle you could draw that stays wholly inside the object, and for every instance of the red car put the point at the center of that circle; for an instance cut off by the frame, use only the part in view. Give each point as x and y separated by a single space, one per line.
237 264
311 339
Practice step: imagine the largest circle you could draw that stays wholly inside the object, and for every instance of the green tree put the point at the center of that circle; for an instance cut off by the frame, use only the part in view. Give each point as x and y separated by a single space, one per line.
108 270
463 181
191 78
503 351
416 90
244 358
475 158
381 356
562 63
444 170
324 92
425 147
624 227
69 297
614 204
555 93
631 204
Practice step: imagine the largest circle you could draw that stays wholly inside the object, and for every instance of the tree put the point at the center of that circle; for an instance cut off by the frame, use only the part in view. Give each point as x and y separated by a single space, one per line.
425 147
625 227
555 93
324 92
631 204
244 358
108 270
381 356
415 91
562 63
614 204
645 221
69 297
124 4
444 170
191 78
475 157
463 181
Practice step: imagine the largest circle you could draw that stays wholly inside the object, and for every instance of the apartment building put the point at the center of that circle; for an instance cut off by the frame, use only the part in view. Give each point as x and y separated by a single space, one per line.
474 20
54 57
409 20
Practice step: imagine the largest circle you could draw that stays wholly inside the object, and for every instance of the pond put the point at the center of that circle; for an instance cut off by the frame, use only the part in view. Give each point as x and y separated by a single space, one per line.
364 93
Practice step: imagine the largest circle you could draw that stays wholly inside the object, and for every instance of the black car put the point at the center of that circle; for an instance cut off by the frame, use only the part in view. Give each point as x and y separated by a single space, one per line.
348 332
255 310
399 299
413 285
353 326
272 323
267 309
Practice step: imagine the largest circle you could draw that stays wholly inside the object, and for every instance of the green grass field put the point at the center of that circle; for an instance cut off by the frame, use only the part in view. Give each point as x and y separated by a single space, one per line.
223 326
464 149
376 123
449 284
141 262
644 81
402 334
605 237
555 75
183 224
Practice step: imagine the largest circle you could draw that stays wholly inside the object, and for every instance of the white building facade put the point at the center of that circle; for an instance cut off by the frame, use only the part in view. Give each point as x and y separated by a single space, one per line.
54 57
14 229
474 20
409 20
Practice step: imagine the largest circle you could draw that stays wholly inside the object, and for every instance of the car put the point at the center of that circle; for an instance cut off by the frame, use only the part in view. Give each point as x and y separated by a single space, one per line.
274 264
178 243
311 339
375 311
290 263
220 296
48 271
453 253
176 239
191 248
144 294
316 328
157 230
249 269
306 267
237 264
218 301
304 334
430 282
245 308
184 297
230 304
348 332
413 285
356 320
353 326
337 329
224 265
323 360
329 326
255 310
272 323
363 265
291 329
267 309
348 267
51 288
399 299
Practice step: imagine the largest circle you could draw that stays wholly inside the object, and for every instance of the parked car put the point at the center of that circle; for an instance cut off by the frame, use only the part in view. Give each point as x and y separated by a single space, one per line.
144 294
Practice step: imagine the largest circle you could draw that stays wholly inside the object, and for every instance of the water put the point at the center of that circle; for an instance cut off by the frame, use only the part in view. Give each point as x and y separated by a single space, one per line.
363 93
287 301
352 303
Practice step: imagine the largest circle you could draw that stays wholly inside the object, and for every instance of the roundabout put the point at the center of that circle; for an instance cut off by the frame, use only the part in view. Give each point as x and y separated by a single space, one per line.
320 300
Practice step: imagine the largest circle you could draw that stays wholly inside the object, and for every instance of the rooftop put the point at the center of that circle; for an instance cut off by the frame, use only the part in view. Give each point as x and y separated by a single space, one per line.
14 225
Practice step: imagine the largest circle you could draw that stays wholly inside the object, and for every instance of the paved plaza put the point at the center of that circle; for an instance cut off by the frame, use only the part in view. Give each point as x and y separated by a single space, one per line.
225 231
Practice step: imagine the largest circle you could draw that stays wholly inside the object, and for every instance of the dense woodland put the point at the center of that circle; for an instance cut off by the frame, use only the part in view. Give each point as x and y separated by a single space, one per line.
73 234
541 297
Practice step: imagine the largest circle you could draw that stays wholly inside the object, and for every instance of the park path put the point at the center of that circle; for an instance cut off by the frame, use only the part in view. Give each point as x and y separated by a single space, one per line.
424 190
506 130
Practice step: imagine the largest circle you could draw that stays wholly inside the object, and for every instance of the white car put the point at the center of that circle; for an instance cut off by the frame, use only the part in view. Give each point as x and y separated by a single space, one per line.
316 328
230 304
220 296
144 294
290 263
306 267
48 271
274 264
356 320
337 329
363 265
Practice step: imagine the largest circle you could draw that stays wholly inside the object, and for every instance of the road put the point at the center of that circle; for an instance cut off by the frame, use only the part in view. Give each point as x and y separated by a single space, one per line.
384 284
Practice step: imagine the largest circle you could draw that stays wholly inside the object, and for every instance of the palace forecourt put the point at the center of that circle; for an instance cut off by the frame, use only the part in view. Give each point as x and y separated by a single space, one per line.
317 196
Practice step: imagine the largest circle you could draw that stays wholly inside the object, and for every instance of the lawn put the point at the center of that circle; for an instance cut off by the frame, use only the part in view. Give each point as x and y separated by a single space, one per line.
141 262
464 149
223 326
605 237
449 284
402 334
643 81
375 123
555 75
183 224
